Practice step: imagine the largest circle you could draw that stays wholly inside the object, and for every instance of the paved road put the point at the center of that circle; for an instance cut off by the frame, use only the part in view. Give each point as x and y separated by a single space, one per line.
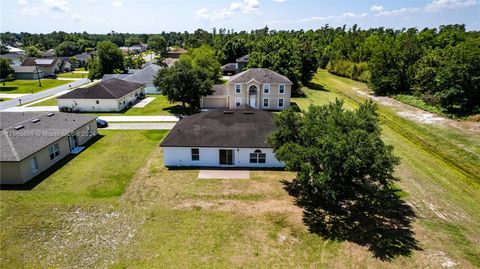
140 126
39 95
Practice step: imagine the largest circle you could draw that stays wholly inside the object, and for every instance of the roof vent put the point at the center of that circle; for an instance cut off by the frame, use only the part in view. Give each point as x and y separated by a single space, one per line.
50 114
35 120
248 112
18 127
227 112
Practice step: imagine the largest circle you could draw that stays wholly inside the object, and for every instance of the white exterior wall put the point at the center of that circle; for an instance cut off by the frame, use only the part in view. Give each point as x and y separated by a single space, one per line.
104 105
181 156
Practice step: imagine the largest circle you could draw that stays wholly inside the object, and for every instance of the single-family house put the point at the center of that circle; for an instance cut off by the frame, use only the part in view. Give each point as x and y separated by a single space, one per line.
49 66
259 88
15 58
231 69
145 76
175 52
221 138
28 72
15 50
82 59
112 95
31 142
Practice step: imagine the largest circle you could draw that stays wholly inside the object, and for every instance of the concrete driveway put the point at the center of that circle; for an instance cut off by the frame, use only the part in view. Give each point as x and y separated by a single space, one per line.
223 174
140 126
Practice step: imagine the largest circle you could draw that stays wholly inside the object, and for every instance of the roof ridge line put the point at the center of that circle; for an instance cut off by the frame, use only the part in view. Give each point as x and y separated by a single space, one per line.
10 144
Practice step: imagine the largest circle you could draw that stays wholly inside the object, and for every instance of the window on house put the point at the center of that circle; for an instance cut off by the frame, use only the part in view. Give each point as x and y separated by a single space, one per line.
280 102
54 151
98 102
195 154
281 88
258 157
265 102
266 88
34 164
238 102
238 88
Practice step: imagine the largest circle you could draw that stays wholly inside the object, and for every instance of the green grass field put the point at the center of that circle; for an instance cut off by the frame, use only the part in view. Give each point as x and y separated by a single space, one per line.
116 206
73 74
29 86
158 107
48 102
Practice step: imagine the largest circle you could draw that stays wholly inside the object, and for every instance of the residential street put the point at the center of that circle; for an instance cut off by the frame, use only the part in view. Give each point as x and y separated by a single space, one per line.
39 95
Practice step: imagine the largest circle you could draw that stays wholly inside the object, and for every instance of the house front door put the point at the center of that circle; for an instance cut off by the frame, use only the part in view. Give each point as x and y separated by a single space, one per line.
253 102
226 156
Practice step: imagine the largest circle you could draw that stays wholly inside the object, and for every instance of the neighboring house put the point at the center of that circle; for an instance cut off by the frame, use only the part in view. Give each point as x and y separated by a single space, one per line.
49 66
66 64
259 88
143 76
112 95
15 50
221 138
16 58
31 142
48 54
175 52
27 72
82 59
231 69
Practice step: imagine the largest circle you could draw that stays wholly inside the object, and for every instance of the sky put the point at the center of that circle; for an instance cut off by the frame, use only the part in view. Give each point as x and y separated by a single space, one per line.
155 16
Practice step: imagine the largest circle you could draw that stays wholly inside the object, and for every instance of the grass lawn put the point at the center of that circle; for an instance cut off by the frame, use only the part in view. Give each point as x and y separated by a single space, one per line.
29 86
48 102
116 206
160 106
73 74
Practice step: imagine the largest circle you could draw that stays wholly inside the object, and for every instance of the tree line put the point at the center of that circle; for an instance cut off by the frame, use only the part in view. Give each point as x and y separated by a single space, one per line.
440 66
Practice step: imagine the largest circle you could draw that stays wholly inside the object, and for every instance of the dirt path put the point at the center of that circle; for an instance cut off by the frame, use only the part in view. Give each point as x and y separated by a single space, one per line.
421 116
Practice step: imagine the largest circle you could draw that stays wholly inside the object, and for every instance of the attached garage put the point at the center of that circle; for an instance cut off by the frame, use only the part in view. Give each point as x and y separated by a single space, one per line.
215 102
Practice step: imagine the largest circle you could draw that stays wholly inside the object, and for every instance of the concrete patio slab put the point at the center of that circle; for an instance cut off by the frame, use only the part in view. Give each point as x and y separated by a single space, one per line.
144 102
224 174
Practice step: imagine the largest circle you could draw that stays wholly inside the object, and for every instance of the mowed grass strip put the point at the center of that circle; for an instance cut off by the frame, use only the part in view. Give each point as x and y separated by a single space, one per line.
29 86
439 170
73 75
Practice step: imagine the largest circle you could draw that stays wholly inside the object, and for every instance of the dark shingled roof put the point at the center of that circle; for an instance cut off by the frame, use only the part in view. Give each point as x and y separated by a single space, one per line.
215 128
243 59
110 89
43 62
229 67
35 135
262 75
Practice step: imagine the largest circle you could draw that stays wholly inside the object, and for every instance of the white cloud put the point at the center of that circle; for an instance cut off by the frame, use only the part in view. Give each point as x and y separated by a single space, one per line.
439 5
346 15
396 12
117 3
247 7
77 18
57 5
22 2
376 8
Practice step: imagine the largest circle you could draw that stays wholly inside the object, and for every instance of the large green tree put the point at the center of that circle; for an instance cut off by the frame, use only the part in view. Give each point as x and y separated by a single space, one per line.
205 60
6 70
33 51
67 48
338 154
109 60
183 83
158 44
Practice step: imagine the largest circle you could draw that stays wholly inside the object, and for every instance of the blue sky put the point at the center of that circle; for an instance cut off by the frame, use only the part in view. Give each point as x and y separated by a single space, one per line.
153 16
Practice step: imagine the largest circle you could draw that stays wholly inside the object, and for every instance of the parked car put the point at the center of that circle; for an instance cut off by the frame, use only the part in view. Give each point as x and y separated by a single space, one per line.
101 123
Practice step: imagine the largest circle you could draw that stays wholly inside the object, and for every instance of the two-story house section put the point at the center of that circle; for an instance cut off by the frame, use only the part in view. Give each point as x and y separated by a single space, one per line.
259 88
